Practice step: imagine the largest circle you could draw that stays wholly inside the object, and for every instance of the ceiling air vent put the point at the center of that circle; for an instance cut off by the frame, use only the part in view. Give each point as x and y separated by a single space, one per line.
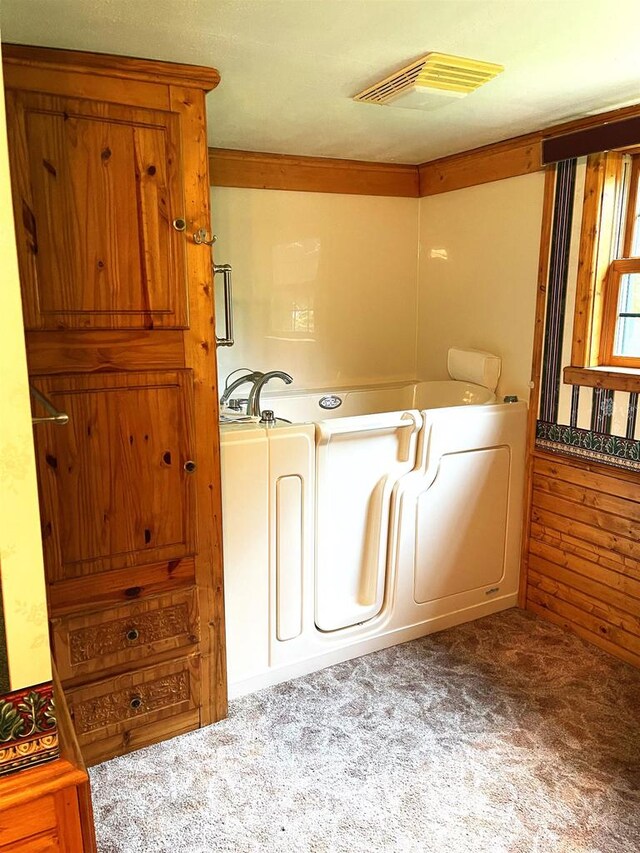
430 82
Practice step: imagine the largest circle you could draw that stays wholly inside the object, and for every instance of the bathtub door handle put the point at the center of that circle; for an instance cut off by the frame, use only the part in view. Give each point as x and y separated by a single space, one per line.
225 271
407 419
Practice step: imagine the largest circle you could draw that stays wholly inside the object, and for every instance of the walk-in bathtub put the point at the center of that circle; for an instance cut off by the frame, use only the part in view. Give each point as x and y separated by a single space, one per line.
377 516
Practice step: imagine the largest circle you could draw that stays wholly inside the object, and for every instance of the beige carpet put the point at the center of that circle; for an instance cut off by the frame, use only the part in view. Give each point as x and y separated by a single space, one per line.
504 735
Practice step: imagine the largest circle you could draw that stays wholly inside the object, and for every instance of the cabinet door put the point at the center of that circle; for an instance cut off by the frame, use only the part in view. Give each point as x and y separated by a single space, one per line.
96 190
114 488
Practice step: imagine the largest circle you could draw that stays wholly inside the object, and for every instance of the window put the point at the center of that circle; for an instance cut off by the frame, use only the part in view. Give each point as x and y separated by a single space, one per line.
606 331
620 336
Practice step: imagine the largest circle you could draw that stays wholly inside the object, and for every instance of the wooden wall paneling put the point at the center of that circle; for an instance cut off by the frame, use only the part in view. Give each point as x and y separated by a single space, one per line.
584 576
536 366
591 628
607 608
255 170
584 554
587 531
623 484
519 156
506 159
200 356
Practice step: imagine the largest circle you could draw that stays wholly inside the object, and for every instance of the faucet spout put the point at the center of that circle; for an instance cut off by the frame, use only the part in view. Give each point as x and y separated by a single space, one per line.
253 377
253 406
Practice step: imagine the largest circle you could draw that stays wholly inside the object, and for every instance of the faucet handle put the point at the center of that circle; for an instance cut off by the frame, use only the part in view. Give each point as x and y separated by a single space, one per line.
268 417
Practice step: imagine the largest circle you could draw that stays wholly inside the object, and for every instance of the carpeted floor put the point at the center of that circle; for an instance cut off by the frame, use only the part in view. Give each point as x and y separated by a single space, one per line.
504 735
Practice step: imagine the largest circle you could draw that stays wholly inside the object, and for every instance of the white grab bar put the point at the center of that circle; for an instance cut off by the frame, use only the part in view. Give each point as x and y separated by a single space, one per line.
410 421
354 424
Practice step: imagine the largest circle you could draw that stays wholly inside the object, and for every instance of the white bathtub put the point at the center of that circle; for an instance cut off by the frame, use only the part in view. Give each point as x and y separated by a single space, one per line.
396 514
304 406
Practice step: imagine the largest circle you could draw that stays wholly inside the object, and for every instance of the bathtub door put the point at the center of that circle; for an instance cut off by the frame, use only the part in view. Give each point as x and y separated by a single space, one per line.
359 461
457 517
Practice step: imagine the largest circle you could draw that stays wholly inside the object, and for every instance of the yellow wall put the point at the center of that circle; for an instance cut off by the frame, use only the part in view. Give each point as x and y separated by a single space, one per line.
20 548
350 259
477 276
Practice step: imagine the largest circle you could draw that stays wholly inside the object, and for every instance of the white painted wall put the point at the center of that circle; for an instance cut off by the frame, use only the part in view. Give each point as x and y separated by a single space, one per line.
347 260
478 263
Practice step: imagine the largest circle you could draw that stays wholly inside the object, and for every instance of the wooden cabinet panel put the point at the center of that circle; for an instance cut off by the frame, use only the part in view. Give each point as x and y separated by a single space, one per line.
96 189
22 821
91 642
115 705
38 844
114 490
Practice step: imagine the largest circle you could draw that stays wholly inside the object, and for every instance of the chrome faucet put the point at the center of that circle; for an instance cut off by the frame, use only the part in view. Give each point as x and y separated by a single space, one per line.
253 377
253 406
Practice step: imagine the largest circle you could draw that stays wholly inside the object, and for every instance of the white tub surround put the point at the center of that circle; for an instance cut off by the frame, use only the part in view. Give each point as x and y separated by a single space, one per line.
354 533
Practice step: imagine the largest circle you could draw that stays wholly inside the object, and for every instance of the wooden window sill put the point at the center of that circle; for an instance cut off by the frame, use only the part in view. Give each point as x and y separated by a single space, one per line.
613 378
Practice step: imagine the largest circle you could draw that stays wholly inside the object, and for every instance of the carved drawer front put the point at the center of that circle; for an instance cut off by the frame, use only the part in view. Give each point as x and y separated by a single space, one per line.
86 644
115 705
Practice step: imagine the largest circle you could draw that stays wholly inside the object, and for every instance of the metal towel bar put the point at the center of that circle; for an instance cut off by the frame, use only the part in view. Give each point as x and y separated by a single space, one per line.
55 416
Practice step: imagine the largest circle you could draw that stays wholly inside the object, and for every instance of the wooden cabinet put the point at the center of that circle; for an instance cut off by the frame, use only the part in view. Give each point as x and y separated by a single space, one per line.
122 465
141 705
109 177
98 188
49 807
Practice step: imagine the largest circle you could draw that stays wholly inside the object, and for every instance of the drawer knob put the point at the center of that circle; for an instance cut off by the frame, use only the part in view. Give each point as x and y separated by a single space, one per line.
132 635
135 703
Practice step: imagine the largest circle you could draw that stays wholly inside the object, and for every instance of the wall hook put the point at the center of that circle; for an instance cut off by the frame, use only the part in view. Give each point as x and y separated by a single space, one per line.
200 237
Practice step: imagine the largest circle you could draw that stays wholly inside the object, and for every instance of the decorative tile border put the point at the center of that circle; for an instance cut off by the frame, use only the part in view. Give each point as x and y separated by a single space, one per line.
609 449
28 734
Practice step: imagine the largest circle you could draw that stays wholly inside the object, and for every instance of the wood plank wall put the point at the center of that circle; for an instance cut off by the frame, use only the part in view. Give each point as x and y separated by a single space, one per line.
581 554
583 562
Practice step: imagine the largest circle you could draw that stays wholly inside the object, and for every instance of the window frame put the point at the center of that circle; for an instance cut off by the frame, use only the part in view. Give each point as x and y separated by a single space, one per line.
618 267
600 273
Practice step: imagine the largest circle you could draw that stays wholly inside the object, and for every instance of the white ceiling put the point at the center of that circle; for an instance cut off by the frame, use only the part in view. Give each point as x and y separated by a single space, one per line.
290 67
